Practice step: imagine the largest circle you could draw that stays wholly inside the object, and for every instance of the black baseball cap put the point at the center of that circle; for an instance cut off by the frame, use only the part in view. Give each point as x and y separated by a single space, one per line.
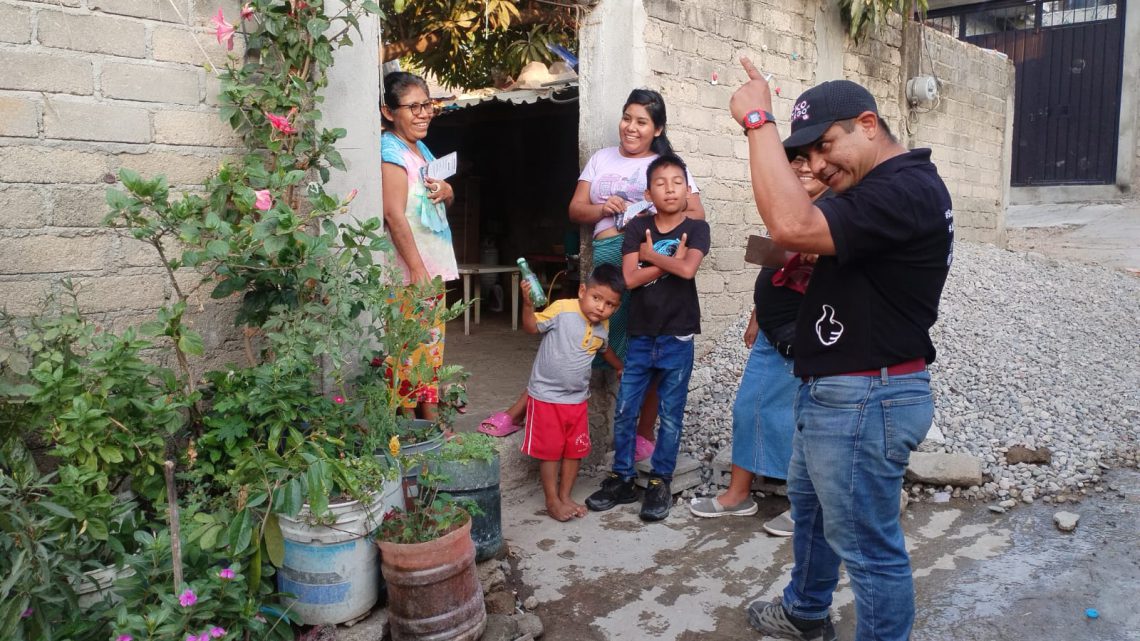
821 106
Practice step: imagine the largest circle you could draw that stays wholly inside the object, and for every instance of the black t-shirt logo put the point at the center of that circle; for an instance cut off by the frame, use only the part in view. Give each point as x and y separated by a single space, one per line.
827 328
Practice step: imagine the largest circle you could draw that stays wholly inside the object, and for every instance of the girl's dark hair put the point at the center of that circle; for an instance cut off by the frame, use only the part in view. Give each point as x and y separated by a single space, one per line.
655 105
396 84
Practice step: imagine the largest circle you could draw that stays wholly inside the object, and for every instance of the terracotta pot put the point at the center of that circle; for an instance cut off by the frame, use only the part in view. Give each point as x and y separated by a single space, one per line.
433 591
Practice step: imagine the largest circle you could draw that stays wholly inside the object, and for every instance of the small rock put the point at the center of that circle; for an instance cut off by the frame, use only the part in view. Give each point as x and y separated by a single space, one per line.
529 624
1066 521
501 602
531 602
941 497
500 627
1021 454
1008 503
997 509
904 500
492 580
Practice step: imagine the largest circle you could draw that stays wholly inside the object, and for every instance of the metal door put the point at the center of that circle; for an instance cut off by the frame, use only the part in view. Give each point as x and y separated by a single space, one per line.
1068 57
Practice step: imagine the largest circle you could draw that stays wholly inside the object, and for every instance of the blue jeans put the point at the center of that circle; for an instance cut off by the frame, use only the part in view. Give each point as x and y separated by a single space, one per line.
763 420
854 436
669 360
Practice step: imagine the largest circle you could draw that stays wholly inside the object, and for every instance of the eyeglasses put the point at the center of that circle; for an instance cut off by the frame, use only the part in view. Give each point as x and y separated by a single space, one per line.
798 162
418 108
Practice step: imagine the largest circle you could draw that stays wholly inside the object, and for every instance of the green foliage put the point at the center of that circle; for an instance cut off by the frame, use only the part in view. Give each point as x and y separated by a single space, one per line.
474 43
474 446
864 16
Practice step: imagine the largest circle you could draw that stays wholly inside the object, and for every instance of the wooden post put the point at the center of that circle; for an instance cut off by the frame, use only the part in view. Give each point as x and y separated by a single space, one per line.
175 529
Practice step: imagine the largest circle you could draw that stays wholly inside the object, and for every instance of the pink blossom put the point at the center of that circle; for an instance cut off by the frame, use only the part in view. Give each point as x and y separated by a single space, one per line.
339 400
187 598
124 637
246 12
280 123
27 613
223 30
217 633
350 197
264 200
226 573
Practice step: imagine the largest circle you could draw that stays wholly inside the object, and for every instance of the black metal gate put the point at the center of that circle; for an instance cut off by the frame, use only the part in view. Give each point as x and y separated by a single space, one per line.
1068 59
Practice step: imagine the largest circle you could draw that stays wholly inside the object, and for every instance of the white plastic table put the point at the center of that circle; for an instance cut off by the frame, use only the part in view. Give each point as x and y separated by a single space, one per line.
471 269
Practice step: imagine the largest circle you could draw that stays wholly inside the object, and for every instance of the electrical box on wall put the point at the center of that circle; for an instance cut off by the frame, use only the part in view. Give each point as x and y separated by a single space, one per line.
922 90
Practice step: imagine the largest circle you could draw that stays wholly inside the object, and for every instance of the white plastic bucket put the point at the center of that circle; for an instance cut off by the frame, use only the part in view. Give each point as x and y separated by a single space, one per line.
333 571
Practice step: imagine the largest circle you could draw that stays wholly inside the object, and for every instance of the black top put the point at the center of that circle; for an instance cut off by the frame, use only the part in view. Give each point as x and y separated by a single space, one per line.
667 306
873 303
775 306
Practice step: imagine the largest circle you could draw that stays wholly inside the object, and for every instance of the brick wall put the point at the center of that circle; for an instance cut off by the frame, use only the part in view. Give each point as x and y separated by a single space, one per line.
88 87
688 41
966 129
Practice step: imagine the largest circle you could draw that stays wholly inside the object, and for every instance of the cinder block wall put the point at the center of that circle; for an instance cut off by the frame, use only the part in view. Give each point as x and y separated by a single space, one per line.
969 129
88 87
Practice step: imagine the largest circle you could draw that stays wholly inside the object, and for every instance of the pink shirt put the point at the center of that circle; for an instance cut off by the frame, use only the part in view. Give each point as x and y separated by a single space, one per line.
612 174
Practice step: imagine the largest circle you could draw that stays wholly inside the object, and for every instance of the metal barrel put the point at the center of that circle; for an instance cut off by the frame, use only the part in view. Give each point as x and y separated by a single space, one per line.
478 481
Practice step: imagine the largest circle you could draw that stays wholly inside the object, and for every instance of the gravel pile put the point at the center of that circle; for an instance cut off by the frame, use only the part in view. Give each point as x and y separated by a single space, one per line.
1031 351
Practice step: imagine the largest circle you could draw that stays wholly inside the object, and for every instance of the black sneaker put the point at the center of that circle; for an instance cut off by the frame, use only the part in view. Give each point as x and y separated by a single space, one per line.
771 619
614 492
657 501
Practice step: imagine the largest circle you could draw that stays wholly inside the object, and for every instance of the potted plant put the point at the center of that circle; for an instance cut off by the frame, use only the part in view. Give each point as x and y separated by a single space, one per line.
468 469
428 560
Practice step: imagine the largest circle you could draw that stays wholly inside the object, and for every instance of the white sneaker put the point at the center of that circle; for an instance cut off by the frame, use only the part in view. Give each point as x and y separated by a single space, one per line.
780 525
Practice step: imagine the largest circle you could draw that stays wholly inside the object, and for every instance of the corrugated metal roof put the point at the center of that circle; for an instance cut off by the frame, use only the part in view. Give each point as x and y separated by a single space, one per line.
513 96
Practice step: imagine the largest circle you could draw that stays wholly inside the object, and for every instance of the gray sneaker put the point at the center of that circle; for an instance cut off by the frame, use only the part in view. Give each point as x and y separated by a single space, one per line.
770 618
781 524
709 507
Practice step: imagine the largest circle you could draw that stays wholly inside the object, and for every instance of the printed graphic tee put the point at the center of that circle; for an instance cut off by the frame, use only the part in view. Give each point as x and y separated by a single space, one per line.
612 174
669 305
873 303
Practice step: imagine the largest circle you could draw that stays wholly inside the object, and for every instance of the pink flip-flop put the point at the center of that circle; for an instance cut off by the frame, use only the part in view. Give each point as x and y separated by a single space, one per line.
643 448
498 424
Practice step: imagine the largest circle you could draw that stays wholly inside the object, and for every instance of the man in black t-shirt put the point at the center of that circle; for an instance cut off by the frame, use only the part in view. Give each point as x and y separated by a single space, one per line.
862 344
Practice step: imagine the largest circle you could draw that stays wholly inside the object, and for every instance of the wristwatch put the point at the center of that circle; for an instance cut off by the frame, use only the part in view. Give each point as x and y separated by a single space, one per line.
756 119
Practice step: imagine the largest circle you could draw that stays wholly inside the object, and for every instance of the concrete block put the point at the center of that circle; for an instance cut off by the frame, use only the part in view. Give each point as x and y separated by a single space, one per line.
23 298
19 117
936 468
686 475
213 89
42 72
15 24
175 44
202 128
202 10
41 165
709 282
118 293
179 169
51 254
94 33
73 120
165 10
150 83
79 206
21 208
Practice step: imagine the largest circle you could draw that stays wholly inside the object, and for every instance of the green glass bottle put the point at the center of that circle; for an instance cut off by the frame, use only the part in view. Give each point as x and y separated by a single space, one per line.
537 296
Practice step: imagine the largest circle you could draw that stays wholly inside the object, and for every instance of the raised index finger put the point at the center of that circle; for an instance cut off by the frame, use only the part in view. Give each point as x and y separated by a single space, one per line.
750 69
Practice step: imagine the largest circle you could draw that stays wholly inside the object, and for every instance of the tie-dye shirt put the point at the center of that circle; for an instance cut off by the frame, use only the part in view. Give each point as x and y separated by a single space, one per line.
427 220
612 174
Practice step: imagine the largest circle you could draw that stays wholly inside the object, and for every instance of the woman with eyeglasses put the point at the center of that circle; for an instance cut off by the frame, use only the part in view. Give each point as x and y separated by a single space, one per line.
415 214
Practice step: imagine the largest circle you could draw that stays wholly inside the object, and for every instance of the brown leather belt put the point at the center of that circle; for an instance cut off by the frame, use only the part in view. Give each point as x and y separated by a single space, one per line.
912 366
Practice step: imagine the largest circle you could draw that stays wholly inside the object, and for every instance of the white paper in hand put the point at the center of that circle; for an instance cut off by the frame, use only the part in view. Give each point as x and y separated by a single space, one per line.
443 168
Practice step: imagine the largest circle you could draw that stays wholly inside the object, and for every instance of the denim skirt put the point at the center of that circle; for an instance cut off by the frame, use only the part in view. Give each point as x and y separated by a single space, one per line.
763 420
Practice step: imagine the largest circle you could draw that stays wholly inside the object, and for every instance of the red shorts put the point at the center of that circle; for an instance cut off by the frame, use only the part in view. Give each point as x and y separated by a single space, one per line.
555 431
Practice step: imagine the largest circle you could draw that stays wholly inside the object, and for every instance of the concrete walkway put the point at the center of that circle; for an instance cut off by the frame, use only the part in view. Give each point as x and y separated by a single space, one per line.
1102 233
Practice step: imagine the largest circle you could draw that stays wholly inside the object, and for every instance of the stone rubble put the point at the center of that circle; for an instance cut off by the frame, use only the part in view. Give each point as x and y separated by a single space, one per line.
1033 353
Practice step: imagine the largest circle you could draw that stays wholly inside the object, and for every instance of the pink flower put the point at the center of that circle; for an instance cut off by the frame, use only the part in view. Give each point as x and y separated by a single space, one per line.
280 123
217 633
124 637
27 613
187 598
227 574
339 400
246 12
223 30
264 200
350 197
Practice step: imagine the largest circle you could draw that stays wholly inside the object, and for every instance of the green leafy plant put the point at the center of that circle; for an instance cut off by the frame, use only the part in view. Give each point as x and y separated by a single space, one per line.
865 16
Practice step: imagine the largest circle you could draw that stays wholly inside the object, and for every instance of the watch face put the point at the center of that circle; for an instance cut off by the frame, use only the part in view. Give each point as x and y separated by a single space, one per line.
754 117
